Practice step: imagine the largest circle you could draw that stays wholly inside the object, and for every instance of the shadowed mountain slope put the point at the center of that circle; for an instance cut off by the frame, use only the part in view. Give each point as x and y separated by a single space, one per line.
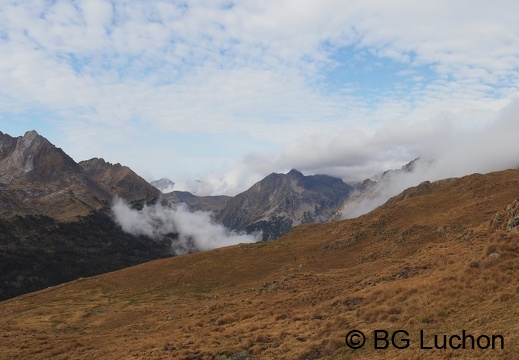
442 257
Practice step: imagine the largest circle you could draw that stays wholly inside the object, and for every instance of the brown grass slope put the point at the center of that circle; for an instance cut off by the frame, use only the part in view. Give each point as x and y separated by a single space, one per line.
436 258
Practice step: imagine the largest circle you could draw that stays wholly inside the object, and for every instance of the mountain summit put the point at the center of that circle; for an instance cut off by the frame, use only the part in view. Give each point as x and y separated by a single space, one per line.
165 185
280 201
32 157
37 177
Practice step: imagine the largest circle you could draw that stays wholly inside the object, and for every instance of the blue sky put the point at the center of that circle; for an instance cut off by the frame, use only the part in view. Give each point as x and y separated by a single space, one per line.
227 92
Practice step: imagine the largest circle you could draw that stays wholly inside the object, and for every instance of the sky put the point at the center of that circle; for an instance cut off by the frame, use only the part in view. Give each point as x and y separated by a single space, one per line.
215 95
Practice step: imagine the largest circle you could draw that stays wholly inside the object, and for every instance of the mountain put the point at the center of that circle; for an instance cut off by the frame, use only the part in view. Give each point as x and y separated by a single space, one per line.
164 185
120 181
281 201
198 203
55 218
38 178
439 259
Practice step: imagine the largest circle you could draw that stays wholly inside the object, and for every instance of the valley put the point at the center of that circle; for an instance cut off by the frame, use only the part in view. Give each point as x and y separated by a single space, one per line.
440 258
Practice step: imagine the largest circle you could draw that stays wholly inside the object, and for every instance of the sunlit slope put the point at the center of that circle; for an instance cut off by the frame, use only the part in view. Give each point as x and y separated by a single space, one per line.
440 257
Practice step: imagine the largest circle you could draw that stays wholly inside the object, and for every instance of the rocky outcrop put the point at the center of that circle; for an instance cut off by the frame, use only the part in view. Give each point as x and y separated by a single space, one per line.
34 158
55 223
508 219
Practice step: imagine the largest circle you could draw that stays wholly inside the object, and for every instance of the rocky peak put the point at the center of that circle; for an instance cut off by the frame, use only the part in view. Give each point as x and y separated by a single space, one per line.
38 178
94 163
33 157
295 174
281 201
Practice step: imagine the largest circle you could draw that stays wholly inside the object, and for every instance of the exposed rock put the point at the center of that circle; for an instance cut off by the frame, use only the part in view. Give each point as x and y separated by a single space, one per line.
54 223
374 192
507 219
38 178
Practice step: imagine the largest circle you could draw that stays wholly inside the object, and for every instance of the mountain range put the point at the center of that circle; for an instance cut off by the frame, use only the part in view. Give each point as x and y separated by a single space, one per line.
55 219
46 199
277 203
58 225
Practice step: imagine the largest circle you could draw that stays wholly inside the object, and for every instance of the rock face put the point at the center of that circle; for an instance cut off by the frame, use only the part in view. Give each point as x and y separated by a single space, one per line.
38 178
280 201
372 193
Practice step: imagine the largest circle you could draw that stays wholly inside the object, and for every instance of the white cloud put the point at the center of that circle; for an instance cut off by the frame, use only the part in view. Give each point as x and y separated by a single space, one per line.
193 231
454 153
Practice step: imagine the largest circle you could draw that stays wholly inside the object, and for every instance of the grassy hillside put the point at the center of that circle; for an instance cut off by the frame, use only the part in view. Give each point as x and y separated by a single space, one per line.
439 258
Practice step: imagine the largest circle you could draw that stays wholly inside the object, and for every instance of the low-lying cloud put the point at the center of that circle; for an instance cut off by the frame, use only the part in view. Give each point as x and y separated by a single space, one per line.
189 231
448 152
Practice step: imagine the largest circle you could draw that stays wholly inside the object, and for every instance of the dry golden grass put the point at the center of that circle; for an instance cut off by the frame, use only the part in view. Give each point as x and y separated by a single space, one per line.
422 262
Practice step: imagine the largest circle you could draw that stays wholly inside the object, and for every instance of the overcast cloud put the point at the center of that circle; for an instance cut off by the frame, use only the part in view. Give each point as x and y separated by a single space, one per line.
225 93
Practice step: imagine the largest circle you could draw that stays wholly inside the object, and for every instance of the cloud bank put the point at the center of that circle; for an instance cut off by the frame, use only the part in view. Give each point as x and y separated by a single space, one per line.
189 231
450 152
172 88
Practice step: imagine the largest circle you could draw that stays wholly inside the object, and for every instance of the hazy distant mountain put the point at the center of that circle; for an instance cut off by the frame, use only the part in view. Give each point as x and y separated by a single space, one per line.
164 185
280 201
198 203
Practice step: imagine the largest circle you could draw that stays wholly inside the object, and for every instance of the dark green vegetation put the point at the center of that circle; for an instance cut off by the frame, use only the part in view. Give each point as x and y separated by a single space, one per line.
37 251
